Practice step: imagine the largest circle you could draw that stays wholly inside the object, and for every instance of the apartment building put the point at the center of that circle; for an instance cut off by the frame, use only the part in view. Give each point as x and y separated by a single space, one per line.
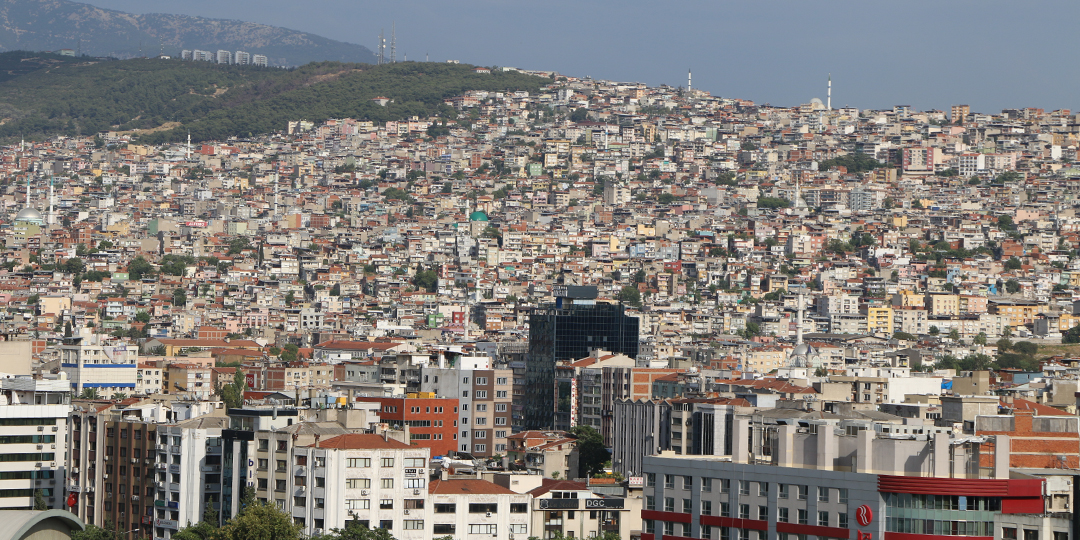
467 508
98 363
568 509
432 421
484 396
187 472
33 437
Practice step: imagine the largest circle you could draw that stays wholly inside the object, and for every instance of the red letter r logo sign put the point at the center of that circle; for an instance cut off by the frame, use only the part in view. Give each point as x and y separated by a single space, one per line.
864 515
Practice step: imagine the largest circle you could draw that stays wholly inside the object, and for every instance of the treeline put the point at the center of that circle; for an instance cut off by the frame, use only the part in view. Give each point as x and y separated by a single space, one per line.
219 101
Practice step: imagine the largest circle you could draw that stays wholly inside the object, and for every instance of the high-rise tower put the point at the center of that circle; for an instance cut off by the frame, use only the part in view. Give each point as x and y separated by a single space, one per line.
828 95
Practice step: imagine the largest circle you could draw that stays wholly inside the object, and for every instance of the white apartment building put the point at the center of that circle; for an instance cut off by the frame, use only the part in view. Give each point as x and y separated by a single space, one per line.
377 481
471 508
95 361
188 469
33 441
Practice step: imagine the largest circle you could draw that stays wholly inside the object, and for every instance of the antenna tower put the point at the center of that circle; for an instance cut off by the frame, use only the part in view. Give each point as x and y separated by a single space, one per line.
393 43
382 49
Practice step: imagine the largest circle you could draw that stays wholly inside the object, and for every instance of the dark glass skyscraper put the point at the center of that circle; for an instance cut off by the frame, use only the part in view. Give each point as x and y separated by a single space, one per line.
570 329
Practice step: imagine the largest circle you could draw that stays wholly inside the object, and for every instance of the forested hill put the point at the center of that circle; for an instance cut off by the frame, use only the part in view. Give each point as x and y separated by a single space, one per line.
173 97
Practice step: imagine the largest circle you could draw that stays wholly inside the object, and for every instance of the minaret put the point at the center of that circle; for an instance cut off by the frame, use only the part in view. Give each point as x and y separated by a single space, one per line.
52 220
828 95
187 153
798 323
28 191
689 81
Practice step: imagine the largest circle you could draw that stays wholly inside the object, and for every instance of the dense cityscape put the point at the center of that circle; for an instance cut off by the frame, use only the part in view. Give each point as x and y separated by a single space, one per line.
603 310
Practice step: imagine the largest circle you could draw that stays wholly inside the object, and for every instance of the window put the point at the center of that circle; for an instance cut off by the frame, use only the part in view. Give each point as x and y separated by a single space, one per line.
842 520
500 393
300 501
1008 533
706 484
650 526
782 491
763 513
744 511
357 504
744 534
387 462
687 506
725 485
706 508
387 483
763 489
481 394
650 502
650 479
500 407
519 528
415 483
725 509
725 533
1031 534
413 524
443 528
483 528
688 482
446 508
822 494
519 508
386 504
843 495
744 487
481 381
387 524
279 485
483 508
281 465
669 528
263 464
803 492
411 463
500 420
669 504
669 481
823 519
803 516
479 448
782 515
355 462
358 483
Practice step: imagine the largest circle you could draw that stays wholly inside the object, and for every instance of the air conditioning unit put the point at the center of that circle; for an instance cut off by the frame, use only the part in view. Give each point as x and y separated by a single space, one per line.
56 428
363 492
416 492
488 514
406 511
53 464
75 470
105 477
134 497
106 458
41 428
40 446
318 532
133 460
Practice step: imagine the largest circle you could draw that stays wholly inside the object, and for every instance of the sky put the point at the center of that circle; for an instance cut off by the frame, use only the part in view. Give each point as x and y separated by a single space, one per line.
990 54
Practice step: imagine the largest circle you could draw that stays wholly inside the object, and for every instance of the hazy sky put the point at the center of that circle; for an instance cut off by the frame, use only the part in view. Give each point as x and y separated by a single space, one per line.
990 54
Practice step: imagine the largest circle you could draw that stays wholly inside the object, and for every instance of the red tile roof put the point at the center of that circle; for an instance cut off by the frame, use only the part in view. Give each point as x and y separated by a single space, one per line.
467 487
358 441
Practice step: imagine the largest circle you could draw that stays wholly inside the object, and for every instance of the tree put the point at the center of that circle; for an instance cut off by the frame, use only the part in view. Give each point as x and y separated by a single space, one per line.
1013 264
143 317
232 394
639 276
1012 286
980 338
954 334
179 297
89 393
752 329
1003 345
916 204
772 202
427 280
39 500
904 336
354 530
93 532
335 290
934 330
260 521
592 455
1026 348
1071 335
630 295
289 353
73 265
138 268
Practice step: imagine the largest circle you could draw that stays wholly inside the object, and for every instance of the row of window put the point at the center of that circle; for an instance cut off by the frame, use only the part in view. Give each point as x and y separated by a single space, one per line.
942 502
709 532
409 463
802 492
27 439
38 456
27 422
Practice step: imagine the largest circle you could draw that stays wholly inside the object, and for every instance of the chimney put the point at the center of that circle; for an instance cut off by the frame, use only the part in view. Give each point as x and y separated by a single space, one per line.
316 440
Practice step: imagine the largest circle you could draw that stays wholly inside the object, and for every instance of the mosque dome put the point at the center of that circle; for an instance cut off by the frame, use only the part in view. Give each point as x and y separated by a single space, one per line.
478 216
28 214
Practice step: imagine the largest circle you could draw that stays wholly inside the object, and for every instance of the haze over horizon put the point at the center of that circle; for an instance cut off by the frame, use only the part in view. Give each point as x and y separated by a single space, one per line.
988 54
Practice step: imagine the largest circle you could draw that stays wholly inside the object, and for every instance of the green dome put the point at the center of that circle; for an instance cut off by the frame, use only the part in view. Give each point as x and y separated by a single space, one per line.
478 216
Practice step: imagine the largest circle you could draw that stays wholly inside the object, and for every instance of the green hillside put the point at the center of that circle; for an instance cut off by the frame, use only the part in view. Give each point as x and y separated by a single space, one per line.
215 101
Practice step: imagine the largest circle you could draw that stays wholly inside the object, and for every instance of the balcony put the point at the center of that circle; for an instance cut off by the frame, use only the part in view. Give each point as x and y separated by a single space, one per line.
213 488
